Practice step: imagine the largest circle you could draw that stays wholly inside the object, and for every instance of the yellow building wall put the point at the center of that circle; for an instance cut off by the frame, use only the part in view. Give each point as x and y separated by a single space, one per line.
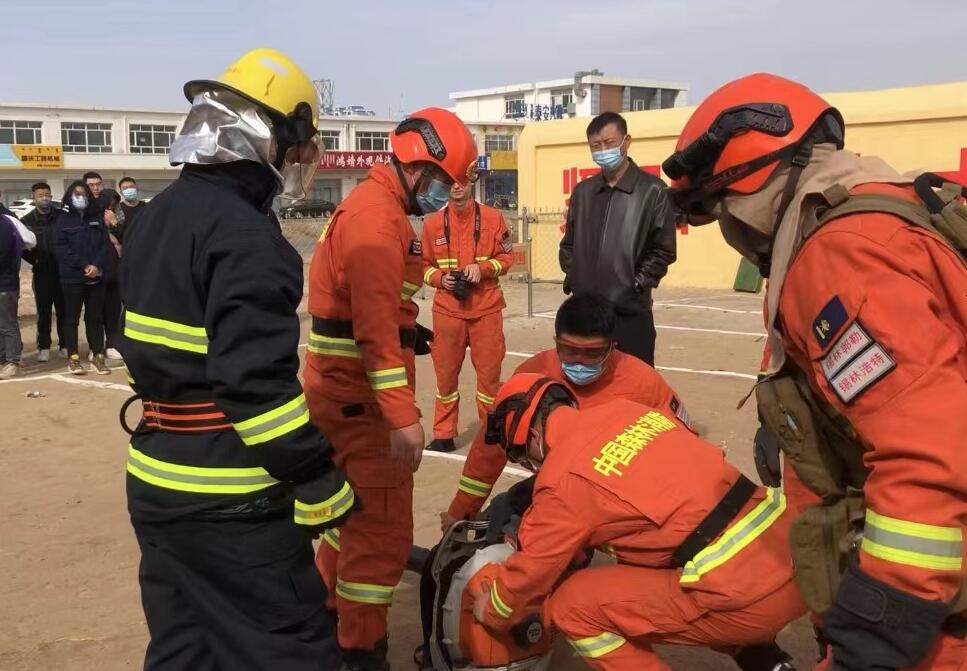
917 128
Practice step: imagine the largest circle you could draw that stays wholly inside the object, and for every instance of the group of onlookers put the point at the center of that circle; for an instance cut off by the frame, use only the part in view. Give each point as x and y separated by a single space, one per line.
74 246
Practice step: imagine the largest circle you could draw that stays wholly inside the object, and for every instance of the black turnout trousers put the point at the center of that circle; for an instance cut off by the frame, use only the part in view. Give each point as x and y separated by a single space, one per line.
233 595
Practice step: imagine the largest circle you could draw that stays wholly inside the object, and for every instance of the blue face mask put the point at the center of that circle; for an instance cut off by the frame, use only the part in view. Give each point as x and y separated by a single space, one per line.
434 198
582 374
608 159
43 204
129 194
79 202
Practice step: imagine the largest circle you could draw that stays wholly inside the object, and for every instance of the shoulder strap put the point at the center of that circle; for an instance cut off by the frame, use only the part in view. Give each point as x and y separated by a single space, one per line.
842 203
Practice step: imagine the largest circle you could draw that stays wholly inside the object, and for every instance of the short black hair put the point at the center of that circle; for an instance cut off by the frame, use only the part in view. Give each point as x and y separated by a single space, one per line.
125 180
92 175
599 122
585 315
40 185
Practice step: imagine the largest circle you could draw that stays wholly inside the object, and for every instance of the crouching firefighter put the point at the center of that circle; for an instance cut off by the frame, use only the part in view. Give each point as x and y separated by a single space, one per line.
226 473
701 551
867 386
360 369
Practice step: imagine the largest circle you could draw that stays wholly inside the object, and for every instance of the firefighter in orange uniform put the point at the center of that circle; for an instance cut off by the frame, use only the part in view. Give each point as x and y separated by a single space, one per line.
702 556
466 248
867 309
586 360
359 376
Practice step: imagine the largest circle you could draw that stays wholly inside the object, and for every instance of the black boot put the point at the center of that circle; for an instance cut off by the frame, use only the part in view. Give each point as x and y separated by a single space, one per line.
367 660
763 658
442 445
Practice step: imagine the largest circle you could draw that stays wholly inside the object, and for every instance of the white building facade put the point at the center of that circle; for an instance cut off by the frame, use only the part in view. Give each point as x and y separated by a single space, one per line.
112 142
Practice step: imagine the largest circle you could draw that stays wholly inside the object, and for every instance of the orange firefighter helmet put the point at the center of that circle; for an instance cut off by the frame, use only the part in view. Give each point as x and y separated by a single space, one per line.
516 407
434 135
738 136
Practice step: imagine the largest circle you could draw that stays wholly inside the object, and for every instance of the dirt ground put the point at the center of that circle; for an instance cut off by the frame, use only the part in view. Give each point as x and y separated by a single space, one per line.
68 556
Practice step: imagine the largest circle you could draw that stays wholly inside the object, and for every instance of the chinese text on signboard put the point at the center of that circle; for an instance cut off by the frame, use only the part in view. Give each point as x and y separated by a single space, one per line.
353 160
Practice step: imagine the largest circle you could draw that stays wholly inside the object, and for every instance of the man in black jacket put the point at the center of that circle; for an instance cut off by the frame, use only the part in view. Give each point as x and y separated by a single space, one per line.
620 236
48 293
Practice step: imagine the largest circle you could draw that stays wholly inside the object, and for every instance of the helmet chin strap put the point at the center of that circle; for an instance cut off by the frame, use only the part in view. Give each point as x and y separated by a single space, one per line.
413 207
798 163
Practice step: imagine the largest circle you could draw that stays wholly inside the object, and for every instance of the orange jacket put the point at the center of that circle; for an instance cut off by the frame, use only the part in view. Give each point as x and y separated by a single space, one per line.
365 271
875 311
624 376
622 477
493 251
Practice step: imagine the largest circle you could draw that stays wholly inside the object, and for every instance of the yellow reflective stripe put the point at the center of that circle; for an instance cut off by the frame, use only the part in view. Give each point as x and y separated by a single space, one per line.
496 264
484 398
736 537
913 543
344 347
196 479
482 258
429 274
274 423
447 263
360 592
388 378
335 506
597 646
331 536
474 487
166 333
503 610
409 289
448 398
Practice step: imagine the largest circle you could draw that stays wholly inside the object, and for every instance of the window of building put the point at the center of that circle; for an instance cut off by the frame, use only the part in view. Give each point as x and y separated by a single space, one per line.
367 140
150 138
86 138
498 143
562 98
330 139
514 107
19 132
639 105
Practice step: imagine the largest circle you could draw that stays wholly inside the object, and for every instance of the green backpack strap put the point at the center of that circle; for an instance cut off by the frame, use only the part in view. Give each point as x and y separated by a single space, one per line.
842 203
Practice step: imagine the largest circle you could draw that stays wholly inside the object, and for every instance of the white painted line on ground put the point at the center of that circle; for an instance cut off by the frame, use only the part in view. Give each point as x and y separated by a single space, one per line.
545 315
691 328
519 472
710 307
689 299
70 380
522 355
721 373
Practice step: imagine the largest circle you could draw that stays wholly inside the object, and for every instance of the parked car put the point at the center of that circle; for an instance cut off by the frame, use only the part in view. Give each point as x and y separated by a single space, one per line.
308 208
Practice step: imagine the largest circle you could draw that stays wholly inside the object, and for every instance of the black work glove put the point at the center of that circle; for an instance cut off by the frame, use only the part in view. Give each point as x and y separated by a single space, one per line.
424 337
875 627
642 282
566 288
507 505
324 503
766 452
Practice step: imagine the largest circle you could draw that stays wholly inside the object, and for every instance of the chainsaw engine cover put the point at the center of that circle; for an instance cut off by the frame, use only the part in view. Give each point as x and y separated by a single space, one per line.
458 642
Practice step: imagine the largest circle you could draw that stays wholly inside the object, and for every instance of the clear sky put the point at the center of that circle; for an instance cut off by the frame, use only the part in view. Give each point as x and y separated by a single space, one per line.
406 54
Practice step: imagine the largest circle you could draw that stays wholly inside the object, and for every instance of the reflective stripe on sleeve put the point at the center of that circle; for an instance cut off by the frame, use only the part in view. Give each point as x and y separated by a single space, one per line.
310 514
359 592
331 536
736 537
447 399
502 609
496 264
447 264
389 378
474 487
274 423
429 274
913 543
165 333
326 345
196 479
597 646
409 290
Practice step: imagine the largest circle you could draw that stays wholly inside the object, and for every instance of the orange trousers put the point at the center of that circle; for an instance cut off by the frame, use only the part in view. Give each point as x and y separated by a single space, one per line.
363 561
612 615
451 337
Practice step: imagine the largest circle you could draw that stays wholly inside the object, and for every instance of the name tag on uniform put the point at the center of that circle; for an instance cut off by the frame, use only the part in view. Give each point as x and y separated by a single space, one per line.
439 242
506 243
416 248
